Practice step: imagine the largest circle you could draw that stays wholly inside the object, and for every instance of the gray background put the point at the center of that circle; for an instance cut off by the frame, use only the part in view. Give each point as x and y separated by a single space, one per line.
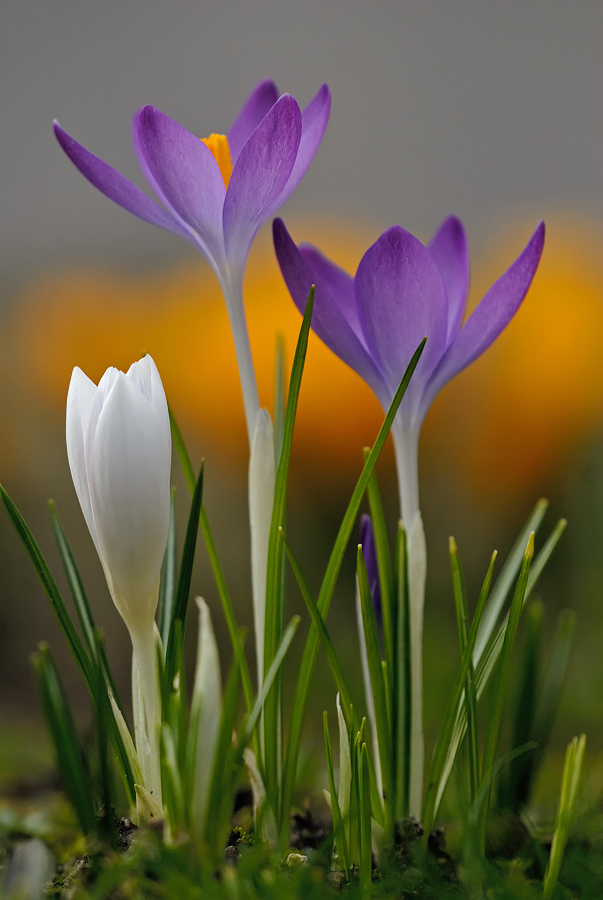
479 107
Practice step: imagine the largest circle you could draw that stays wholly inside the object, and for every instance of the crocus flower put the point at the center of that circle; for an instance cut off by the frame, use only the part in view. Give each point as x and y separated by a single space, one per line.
402 292
369 550
217 192
119 450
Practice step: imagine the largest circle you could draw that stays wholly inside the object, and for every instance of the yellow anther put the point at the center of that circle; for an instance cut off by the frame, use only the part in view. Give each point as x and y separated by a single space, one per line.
218 144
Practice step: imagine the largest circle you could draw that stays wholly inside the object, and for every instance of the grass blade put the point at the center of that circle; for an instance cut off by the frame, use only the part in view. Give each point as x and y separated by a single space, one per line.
486 661
550 694
177 627
70 756
50 588
439 770
82 607
364 823
507 577
382 719
572 771
269 678
222 782
216 567
500 682
280 397
272 717
325 595
341 850
167 590
325 637
462 615
513 788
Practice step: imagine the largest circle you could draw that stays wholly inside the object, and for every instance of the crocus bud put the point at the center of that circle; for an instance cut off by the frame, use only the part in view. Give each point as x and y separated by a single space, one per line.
119 450
369 549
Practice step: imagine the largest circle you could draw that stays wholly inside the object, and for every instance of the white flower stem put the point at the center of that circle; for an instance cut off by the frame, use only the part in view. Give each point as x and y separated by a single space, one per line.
146 705
261 461
261 501
368 694
232 288
406 444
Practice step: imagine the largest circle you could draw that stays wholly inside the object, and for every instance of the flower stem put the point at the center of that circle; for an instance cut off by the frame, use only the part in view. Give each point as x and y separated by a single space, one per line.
232 288
261 502
406 445
146 705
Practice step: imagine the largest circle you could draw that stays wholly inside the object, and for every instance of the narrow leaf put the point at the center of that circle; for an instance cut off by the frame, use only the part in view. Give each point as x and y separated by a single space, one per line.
326 594
178 619
167 590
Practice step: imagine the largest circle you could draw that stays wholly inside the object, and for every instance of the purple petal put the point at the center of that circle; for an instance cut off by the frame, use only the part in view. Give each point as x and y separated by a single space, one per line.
450 250
328 322
369 551
338 283
259 176
184 173
493 314
115 185
258 104
401 299
314 122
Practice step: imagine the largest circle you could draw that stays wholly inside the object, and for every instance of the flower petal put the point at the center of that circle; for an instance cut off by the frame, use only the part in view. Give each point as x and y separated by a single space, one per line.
369 551
80 398
328 319
450 250
116 186
146 375
315 118
183 172
129 476
401 299
260 175
258 104
338 283
491 316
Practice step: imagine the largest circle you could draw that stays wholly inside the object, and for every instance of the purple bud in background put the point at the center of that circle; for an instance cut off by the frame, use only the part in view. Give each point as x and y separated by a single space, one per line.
369 550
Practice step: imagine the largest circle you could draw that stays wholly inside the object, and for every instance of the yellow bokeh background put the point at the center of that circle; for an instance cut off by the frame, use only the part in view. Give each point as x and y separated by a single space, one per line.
505 425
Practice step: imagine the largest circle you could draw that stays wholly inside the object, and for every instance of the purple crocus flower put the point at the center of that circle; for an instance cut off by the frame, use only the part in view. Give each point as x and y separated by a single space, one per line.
369 551
217 192
404 291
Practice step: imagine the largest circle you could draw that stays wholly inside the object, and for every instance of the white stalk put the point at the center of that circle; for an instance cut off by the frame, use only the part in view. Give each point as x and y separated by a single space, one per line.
261 500
232 288
265 822
206 716
406 444
146 703
368 693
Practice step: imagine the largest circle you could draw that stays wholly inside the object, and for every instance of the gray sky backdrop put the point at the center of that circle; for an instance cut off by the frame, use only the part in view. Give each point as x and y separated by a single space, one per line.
476 107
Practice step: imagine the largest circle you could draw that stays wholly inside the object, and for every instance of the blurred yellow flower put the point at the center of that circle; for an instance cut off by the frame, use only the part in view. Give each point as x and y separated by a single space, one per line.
504 425
520 412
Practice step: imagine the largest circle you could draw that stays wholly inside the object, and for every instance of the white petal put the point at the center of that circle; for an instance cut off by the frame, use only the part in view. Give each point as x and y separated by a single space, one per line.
146 375
129 479
206 714
345 763
102 392
80 399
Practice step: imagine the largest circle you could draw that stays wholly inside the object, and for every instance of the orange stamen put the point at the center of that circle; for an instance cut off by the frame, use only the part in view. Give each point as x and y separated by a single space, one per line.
218 144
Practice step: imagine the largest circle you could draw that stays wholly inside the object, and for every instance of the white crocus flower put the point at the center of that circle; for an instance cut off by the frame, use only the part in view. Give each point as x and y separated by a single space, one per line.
119 450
